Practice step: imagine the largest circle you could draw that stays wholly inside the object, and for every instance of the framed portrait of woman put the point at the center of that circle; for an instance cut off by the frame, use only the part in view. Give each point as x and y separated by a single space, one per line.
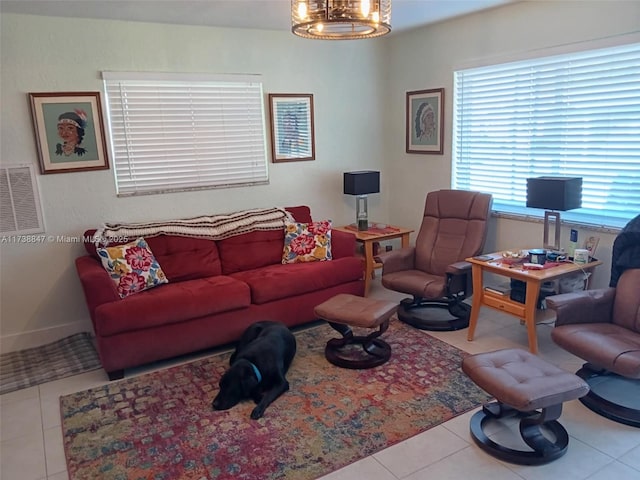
425 118
69 131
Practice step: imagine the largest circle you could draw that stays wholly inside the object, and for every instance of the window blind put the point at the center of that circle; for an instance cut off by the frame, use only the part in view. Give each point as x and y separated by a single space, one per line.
574 115
172 132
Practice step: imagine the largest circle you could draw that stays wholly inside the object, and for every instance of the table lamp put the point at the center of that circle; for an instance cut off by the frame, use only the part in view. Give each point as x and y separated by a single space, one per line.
361 184
554 193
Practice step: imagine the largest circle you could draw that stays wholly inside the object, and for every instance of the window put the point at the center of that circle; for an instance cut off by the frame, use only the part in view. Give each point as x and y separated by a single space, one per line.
172 132
575 115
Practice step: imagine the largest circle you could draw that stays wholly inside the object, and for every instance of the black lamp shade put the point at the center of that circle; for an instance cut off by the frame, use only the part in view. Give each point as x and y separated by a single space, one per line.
554 193
362 182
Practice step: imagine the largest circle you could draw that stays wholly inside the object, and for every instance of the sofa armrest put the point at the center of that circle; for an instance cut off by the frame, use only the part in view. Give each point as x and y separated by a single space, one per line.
396 260
343 244
588 306
96 283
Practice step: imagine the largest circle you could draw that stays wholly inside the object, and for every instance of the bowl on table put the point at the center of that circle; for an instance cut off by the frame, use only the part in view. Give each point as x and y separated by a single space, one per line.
511 257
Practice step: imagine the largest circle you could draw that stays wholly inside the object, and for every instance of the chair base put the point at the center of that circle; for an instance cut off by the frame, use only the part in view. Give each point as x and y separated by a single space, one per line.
543 450
410 312
611 395
375 351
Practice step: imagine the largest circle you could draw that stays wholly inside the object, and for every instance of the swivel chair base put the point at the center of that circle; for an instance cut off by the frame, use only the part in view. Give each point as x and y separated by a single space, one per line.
531 424
416 314
374 352
610 395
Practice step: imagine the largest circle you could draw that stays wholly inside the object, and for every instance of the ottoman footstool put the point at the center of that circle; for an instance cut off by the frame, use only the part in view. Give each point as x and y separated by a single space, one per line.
345 311
522 384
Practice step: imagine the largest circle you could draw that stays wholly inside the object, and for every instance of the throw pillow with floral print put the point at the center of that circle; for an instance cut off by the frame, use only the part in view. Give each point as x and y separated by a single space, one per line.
307 242
132 267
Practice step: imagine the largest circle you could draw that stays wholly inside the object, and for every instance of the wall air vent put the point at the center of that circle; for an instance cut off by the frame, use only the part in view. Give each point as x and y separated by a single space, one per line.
20 208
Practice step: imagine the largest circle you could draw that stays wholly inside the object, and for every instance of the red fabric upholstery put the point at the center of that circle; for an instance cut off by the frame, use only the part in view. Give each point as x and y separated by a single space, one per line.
173 302
201 307
276 282
257 249
251 250
181 258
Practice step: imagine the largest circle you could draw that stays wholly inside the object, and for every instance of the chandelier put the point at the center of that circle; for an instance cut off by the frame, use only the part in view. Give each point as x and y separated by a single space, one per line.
340 19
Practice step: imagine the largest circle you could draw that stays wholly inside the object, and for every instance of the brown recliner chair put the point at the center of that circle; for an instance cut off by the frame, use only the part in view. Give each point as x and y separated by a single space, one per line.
602 326
453 228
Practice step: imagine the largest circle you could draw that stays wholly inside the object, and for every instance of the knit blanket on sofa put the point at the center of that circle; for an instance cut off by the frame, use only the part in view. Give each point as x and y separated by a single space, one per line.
215 227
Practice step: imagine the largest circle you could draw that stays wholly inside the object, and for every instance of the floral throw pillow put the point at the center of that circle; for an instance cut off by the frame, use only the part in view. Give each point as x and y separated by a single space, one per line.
132 267
307 242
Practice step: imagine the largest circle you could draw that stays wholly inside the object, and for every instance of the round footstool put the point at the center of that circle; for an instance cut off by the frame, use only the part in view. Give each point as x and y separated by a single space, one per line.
344 311
522 384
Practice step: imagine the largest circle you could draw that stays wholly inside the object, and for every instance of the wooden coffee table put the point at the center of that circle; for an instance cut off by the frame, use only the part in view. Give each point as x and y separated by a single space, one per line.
533 280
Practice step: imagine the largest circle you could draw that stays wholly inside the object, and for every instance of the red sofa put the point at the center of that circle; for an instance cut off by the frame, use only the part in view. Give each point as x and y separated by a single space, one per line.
216 290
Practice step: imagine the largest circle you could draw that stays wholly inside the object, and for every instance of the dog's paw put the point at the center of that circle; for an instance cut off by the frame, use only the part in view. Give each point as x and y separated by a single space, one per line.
257 413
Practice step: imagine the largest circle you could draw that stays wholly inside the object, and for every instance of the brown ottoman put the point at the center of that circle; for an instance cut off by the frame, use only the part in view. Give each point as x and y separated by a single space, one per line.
522 384
344 311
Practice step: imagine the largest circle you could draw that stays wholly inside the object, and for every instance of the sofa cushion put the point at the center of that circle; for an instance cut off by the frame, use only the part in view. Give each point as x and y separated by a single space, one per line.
132 267
250 250
274 282
172 303
307 242
182 258
186 258
256 249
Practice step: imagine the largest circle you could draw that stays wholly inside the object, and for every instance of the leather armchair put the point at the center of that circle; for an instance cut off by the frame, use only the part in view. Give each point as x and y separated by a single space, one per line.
602 326
454 227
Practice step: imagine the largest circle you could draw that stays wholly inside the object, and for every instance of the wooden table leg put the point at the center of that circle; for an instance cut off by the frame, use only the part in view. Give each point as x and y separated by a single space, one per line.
405 240
530 304
368 265
478 291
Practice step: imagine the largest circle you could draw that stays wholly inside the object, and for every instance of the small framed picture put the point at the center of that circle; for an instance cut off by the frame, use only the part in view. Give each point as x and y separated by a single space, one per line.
425 117
292 129
69 131
591 244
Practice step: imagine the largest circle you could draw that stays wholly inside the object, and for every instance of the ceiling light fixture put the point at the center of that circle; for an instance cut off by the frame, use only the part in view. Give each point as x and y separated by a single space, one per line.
340 19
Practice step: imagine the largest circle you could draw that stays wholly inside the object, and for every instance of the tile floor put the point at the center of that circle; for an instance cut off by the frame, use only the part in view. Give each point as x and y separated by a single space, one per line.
31 438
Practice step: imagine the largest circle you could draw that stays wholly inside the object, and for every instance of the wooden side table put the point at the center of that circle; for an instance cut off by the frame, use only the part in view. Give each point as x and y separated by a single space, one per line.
367 238
533 280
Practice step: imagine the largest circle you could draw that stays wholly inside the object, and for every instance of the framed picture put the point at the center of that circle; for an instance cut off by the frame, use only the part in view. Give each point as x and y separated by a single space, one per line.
425 117
292 130
69 131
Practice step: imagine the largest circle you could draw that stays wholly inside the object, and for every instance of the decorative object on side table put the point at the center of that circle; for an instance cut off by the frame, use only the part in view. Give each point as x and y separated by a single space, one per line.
591 244
425 117
69 131
361 183
554 193
292 127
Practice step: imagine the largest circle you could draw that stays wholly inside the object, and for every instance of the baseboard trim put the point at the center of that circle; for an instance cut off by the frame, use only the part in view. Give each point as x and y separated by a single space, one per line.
35 338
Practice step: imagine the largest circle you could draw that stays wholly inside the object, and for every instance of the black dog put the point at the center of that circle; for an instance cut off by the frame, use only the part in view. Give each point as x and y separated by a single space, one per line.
258 367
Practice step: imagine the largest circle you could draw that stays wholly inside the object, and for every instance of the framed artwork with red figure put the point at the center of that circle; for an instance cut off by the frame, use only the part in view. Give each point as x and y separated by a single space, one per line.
69 131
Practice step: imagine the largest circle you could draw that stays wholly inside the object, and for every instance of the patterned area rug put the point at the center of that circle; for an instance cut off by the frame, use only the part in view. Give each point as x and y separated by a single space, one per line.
161 426
66 357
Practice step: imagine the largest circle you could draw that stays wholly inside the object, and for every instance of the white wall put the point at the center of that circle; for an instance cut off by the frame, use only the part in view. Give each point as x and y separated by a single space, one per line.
41 295
426 58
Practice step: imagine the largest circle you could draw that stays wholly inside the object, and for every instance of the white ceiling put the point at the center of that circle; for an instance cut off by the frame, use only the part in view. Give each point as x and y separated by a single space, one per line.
263 14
